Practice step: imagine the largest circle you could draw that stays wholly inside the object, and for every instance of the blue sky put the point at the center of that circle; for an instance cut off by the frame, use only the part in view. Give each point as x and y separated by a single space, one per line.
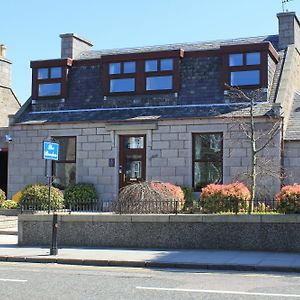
30 29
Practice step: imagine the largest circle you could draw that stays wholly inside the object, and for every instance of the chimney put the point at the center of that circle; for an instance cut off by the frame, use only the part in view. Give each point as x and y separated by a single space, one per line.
5 68
289 30
72 45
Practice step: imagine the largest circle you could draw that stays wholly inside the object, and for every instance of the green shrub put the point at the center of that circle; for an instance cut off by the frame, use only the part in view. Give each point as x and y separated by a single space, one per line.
9 204
2 197
288 200
80 193
216 198
188 196
36 195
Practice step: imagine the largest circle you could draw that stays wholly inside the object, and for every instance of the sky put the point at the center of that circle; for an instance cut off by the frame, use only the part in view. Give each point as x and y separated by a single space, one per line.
30 28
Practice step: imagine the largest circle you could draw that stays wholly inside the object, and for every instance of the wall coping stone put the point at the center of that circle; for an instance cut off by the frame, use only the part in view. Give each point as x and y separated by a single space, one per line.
158 218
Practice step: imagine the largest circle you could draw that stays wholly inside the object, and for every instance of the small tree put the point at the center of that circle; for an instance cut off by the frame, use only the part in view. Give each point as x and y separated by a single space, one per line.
258 140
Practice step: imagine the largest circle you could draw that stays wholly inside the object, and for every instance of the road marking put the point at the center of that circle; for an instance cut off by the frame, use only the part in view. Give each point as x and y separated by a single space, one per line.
13 280
216 292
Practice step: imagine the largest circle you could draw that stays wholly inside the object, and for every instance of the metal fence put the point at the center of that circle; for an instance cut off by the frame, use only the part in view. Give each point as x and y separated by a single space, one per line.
169 207
238 206
36 207
147 207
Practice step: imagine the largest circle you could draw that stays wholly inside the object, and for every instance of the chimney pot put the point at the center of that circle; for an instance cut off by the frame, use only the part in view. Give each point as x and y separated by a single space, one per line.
2 51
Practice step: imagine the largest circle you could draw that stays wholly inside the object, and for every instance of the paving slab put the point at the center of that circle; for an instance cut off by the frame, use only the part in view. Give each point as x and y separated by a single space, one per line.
194 259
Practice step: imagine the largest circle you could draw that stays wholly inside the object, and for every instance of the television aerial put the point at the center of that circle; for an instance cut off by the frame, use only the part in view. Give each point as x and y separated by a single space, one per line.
283 2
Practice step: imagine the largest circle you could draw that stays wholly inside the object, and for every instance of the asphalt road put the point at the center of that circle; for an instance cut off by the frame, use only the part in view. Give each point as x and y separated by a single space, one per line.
41 281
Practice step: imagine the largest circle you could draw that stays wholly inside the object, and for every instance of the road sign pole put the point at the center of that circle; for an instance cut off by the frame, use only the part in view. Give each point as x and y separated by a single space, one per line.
50 153
49 194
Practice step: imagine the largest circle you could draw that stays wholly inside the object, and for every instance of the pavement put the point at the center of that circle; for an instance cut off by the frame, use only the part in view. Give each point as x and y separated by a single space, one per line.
152 258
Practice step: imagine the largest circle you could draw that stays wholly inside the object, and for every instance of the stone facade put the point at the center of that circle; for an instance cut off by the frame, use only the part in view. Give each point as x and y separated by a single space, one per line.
168 153
201 104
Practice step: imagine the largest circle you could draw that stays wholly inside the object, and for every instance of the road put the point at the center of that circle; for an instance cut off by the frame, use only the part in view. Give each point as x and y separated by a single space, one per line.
50 281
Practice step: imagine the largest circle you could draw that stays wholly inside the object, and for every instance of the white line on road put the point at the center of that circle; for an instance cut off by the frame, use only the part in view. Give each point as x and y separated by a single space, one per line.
13 280
216 292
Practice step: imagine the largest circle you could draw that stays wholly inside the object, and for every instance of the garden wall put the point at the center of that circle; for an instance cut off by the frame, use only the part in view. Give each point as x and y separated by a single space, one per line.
241 232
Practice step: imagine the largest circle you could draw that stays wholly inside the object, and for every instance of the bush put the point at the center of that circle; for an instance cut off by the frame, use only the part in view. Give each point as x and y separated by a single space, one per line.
80 193
149 197
2 197
288 200
36 195
225 198
9 204
188 196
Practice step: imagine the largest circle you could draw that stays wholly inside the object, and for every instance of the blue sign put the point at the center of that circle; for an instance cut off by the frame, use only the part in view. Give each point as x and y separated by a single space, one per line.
50 150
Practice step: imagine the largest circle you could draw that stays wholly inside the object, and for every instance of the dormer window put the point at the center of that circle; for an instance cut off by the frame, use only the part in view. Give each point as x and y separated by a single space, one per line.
49 78
161 67
244 69
246 66
141 73
117 72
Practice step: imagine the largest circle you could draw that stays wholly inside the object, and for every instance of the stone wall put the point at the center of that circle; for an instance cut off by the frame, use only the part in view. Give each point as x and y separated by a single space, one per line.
3 132
289 83
292 162
168 153
241 232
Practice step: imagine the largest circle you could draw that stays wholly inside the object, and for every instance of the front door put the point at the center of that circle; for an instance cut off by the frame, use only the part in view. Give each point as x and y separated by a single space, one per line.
132 159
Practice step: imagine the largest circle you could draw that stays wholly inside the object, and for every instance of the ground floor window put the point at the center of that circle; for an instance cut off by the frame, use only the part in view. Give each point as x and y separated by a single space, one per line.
64 170
207 159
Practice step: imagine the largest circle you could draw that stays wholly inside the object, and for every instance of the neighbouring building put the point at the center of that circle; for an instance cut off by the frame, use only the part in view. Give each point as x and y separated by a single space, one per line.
162 113
9 105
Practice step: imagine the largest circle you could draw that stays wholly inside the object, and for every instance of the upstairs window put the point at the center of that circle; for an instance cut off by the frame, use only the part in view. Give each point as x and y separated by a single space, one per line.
141 73
49 78
161 67
117 71
244 69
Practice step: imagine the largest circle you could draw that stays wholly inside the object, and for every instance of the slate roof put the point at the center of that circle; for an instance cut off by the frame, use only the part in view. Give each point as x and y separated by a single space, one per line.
98 112
293 127
196 46
147 113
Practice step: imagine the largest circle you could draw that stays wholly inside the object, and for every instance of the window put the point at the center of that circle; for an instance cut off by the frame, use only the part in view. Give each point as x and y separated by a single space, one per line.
141 73
207 159
240 78
49 78
122 85
159 83
244 69
49 89
64 170
117 72
49 73
159 66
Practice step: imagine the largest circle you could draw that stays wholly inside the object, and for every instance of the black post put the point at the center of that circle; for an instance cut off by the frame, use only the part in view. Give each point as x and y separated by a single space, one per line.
53 249
49 194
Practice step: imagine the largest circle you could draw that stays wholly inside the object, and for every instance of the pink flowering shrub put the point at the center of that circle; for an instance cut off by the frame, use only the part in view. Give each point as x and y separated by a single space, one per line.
288 200
170 191
232 197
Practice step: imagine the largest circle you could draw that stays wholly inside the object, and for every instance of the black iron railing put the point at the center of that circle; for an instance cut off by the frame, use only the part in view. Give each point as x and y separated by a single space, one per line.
87 206
147 207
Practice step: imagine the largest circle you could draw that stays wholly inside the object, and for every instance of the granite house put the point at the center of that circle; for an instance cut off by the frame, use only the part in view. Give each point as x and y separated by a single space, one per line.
9 105
162 113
